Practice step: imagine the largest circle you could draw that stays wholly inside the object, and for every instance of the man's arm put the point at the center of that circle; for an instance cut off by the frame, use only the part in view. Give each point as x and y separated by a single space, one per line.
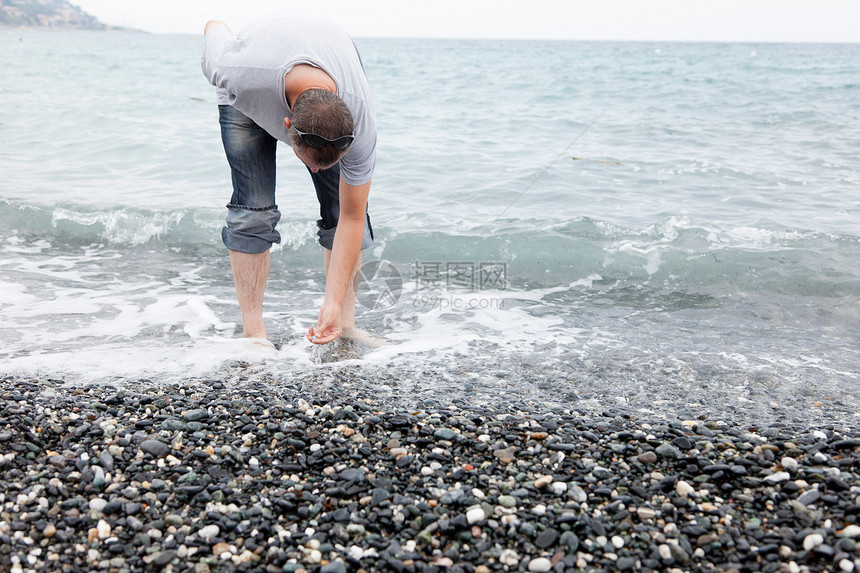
216 35
344 254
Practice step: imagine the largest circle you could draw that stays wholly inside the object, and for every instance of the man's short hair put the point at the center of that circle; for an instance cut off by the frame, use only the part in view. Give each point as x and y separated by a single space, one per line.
322 112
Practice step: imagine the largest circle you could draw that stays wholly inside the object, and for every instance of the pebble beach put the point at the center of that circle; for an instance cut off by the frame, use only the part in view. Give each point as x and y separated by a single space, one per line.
225 476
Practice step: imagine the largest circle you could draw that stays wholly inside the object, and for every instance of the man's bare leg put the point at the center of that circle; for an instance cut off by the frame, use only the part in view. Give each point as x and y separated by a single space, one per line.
250 273
348 305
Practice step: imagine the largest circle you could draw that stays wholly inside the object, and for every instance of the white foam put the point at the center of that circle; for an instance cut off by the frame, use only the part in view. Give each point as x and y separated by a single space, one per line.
15 295
458 321
587 282
147 359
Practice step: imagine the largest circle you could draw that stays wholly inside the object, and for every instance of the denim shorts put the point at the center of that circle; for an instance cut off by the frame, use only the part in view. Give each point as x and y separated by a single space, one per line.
252 214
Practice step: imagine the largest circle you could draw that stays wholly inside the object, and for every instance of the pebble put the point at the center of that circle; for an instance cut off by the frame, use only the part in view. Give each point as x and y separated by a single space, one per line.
444 434
475 515
540 564
154 448
508 501
509 557
668 451
543 481
546 539
812 541
850 531
196 415
684 489
778 477
790 464
103 528
506 455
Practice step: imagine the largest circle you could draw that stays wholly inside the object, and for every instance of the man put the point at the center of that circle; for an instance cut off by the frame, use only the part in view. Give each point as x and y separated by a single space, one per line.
302 82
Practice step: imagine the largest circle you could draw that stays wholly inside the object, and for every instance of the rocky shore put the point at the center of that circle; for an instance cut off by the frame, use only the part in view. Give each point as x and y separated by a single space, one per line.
217 476
51 14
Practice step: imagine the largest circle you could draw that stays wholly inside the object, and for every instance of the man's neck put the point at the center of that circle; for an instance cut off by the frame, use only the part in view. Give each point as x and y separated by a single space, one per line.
305 77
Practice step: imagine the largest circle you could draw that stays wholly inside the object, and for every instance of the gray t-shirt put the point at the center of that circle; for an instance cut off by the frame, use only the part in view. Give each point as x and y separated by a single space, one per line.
248 71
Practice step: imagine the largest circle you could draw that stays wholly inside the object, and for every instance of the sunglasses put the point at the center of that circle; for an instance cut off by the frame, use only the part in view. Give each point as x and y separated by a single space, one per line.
318 141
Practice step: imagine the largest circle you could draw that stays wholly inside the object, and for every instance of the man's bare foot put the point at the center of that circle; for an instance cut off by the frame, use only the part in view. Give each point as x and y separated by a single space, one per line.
258 342
363 337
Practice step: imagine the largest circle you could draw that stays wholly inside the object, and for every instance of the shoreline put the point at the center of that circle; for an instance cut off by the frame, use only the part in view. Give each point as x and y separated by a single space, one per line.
223 476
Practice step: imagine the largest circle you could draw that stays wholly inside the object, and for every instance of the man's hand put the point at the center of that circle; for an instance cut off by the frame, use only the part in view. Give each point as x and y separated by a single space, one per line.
328 326
341 267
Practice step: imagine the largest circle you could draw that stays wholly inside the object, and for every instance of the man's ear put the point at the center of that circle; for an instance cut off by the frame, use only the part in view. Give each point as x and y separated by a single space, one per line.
287 122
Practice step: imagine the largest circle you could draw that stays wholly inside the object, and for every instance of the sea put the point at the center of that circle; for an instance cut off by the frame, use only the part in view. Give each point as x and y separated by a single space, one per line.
644 229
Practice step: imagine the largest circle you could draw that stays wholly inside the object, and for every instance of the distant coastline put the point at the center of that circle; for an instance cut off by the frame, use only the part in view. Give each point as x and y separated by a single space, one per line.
47 14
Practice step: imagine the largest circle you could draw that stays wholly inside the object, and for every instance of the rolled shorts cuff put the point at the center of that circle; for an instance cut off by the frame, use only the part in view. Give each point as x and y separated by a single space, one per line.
251 229
326 236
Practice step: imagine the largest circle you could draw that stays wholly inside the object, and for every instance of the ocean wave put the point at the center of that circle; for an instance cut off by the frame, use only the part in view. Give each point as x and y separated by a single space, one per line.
675 253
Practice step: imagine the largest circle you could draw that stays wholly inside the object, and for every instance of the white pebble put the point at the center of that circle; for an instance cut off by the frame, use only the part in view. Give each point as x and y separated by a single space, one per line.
812 541
617 541
558 487
540 564
356 552
665 551
509 557
315 447
209 531
819 434
793 567
103 529
475 515
851 531
97 504
778 477
684 489
846 565
478 493
426 471
788 463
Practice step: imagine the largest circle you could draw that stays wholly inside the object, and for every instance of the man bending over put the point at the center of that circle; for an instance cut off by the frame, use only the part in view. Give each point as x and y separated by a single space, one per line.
299 81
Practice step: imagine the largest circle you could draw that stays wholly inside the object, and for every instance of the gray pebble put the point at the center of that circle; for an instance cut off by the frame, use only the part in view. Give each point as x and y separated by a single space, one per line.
154 448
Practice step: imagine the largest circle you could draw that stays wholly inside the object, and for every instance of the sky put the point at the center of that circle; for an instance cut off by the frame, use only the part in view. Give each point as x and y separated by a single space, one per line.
661 20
